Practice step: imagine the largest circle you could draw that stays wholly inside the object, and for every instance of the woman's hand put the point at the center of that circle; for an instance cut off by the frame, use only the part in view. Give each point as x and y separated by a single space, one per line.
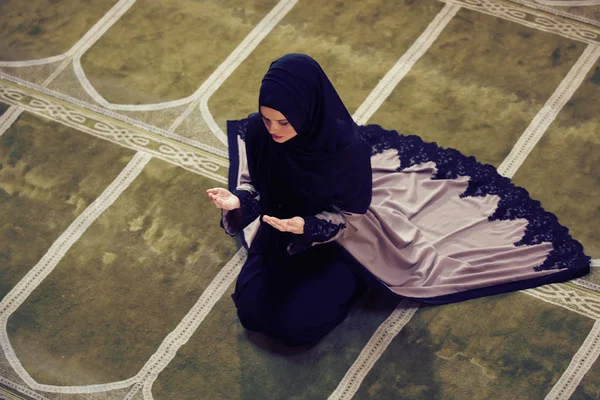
293 225
223 199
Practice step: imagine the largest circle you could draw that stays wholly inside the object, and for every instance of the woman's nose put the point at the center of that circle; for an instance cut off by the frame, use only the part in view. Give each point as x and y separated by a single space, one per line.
270 127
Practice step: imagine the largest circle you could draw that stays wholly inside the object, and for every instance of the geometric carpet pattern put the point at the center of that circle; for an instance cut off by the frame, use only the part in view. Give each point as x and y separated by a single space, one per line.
115 277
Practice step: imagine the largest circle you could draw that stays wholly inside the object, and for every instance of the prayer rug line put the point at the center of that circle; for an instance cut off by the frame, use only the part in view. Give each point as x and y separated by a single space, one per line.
540 123
193 160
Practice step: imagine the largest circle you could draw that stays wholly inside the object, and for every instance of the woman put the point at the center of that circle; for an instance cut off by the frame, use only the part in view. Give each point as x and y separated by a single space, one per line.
418 220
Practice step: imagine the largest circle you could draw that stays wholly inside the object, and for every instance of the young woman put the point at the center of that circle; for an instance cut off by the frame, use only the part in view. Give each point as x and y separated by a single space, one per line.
336 201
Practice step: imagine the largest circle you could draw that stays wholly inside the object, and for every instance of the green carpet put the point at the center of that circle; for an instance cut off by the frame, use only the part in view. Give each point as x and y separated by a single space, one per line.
125 309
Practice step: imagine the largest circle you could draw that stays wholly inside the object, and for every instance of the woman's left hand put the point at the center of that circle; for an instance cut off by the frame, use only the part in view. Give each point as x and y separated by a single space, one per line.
293 225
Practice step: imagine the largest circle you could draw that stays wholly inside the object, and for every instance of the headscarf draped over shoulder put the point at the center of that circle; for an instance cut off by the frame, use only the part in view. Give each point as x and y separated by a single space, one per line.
326 167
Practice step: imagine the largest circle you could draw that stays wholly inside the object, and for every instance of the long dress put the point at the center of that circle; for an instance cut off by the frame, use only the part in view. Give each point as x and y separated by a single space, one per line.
441 226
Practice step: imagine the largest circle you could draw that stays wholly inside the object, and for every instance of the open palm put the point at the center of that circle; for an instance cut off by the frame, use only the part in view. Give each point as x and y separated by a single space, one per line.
223 199
293 225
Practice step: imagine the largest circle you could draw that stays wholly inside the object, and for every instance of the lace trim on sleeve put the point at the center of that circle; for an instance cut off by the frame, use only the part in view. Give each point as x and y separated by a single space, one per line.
316 230
234 221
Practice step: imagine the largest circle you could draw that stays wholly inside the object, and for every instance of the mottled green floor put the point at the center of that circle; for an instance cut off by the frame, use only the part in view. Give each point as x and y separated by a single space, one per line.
355 42
49 174
223 361
35 29
141 60
480 85
139 268
503 347
134 274
563 171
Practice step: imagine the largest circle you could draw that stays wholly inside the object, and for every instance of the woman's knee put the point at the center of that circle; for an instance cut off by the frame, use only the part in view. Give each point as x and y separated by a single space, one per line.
249 319
293 330
250 309
249 295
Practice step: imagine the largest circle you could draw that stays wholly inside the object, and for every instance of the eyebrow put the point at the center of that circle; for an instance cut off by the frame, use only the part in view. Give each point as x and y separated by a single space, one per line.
278 120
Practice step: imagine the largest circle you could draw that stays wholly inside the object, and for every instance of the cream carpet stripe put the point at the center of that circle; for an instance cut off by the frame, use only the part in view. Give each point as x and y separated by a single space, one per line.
186 328
586 284
212 84
579 366
385 87
378 343
85 42
21 389
548 113
568 3
9 117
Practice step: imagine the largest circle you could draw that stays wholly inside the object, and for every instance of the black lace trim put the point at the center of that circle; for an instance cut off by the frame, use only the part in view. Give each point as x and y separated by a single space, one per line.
242 128
484 180
241 217
249 204
316 230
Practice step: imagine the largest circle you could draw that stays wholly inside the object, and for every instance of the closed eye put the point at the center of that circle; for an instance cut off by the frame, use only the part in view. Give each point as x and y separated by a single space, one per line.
282 122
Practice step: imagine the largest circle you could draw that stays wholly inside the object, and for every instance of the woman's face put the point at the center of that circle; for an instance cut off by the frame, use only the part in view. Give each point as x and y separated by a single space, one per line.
278 126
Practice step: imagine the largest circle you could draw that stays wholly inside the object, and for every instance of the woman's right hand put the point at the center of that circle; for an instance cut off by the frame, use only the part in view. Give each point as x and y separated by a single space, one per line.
223 199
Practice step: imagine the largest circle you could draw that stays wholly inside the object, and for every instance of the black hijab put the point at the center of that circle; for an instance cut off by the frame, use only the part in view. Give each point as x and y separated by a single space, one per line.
326 167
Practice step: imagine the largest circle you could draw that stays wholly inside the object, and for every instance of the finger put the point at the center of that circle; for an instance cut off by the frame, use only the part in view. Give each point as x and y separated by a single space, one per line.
274 226
276 220
274 223
215 200
282 225
270 221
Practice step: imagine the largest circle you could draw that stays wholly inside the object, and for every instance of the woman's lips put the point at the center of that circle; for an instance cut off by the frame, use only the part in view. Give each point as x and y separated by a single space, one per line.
276 137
